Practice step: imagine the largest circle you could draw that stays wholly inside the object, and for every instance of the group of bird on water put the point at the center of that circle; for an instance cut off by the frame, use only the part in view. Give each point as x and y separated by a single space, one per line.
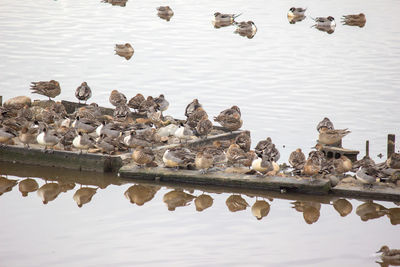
89 129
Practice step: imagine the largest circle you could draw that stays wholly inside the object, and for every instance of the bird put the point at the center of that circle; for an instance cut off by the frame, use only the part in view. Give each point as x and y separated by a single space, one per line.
236 203
46 138
271 152
106 144
354 20
367 176
195 117
394 161
176 199
343 207
261 145
6 185
83 141
243 140
121 112
135 101
139 194
110 129
27 135
204 127
178 157
260 209
234 153
143 156
325 123
204 161
146 105
342 165
84 195
124 48
245 26
297 159
389 254
192 106
51 89
6 135
331 137
265 165
116 98
83 92
203 202
314 163
325 22
161 102
296 12
230 119
134 140
165 10
219 17
84 125
183 132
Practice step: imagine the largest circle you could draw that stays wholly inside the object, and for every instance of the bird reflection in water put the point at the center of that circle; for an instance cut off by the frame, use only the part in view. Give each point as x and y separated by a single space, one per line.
49 192
121 3
236 203
124 50
165 12
203 202
327 29
166 17
260 209
64 187
176 199
220 24
140 194
370 210
394 215
6 184
293 20
343 207
246 29
84 195
27 186
354 20
310 210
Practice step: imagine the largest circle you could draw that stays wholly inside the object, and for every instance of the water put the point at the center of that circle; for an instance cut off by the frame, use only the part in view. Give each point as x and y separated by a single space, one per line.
285 80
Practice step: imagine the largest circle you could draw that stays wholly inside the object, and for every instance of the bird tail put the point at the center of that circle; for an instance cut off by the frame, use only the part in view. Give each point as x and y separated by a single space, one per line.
235 16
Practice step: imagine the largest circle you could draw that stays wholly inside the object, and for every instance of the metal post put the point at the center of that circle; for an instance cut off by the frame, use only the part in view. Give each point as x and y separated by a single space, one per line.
390 144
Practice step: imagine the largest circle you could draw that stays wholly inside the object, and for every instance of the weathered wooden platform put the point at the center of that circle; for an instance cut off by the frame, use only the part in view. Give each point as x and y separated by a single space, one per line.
377 192
281 184
62 159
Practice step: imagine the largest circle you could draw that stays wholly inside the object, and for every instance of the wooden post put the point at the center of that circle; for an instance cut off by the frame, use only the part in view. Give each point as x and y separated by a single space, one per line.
390 145
1 100
367 148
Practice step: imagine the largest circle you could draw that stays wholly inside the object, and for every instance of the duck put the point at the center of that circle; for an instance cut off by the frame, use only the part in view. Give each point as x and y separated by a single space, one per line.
331 136
51 89
367 176
394 161
82 141
217 152
178 157
293 20
296 12
121 112
135 101
342 165
246 27
265 166
271 152
146 105
195 117
313 164
162 103
183 132
106 144
325 123
116 98
234 154
325 22
236 203
6 135
84 125
191 107
230 119
354 20
124 48
27 135
204 161
49 192
84 195
27 186
121 3
25 113
143 156
297 159
165 10
219 17
204 127
83 92
140 194
110 129
46 138
260 209
243 140
203 202
6 184
261 145
134 140
165 16
389 254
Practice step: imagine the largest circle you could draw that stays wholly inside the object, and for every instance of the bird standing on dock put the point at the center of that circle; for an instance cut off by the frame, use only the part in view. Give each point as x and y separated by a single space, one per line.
191 107
178 157
331 137
50 89
83 141
367 176
27 135
389 254
6 135
204 127
243 140
46 138
83 92
116 98
195 117
204 161
135 101
230 118
143 156
297 159
84 125
162 103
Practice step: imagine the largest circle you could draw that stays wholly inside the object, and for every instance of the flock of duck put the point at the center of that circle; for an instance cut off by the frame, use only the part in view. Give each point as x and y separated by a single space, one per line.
90 130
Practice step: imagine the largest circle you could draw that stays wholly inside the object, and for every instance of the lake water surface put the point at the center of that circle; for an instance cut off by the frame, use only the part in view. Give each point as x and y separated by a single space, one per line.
285 80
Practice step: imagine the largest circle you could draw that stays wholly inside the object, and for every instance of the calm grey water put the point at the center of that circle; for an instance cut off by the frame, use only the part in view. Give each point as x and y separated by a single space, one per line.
285 80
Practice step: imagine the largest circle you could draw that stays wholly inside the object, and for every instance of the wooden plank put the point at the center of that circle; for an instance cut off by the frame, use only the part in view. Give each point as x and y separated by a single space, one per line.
377 192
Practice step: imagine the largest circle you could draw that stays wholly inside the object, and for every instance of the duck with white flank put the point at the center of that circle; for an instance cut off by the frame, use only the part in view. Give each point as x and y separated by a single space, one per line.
84 125
204 161
83 92
47 138
178 157
83 141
